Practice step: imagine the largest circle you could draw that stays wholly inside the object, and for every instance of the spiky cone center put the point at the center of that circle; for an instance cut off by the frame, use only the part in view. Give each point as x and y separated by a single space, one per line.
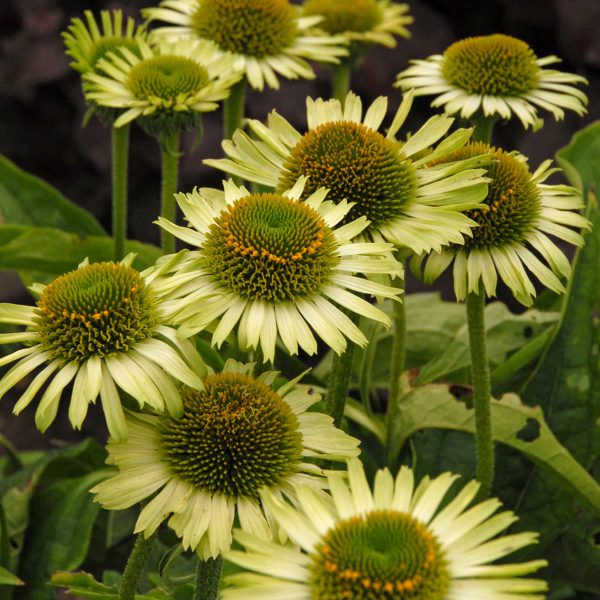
355 163
496 65
235 436
96 310
167 78
269 247
351 15
512 205
250 27
383 555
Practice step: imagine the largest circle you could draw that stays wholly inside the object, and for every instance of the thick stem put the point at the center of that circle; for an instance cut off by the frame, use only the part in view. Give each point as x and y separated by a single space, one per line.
341 77
208 578
396 370
339 382
484 127
120 159
135 565
233 108
170 176
480 376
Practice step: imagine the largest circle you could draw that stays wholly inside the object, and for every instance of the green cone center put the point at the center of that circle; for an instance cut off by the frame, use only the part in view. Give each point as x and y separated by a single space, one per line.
351 15
497 65
269 247
234 437
167 78
250 27
512 205
383 555
96 310
356 163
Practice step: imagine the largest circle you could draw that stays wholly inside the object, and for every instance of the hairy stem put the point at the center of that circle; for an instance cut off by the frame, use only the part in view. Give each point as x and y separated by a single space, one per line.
339 382
135 565
120 159
233 108
208 578
341 78
480 376
170 178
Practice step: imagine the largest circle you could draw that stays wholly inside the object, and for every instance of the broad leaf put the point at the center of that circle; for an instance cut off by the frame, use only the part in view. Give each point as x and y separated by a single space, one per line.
61 521
7 578
515 424
27 200
51 252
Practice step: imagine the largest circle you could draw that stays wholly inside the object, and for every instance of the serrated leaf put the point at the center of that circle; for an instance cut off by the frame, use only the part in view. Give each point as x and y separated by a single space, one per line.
515 424
28 200
49 252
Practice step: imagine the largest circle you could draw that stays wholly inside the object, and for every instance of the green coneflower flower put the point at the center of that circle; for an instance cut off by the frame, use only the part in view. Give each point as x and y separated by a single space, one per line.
99 326
87 43
268 37
519 213
365 21
394 543
497 76
271 267
166 87
387 182
237 436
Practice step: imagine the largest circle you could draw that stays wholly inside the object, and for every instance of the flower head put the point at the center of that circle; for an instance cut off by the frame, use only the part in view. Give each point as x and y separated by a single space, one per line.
363 21
274 267
519 213
88 43
496 75
166 87
99 326
268 37
238 436
386 181
394 543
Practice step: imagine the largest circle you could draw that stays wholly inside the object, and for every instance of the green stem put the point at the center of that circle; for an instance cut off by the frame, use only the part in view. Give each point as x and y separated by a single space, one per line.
135 564
120 158
170 175
396 369
233 108
341 77
339 383
208 578
480 376
483 129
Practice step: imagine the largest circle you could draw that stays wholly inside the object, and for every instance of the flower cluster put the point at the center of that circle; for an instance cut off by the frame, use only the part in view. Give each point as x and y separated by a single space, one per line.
291 258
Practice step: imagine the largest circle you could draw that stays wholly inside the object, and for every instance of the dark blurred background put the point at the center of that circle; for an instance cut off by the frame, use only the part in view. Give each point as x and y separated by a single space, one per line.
41 104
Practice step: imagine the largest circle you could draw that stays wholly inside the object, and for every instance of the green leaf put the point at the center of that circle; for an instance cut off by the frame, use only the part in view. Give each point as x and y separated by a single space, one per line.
61 521
566 384
437 341
51 252
506 333
7 578
27 200
515 424
19 497
83 585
